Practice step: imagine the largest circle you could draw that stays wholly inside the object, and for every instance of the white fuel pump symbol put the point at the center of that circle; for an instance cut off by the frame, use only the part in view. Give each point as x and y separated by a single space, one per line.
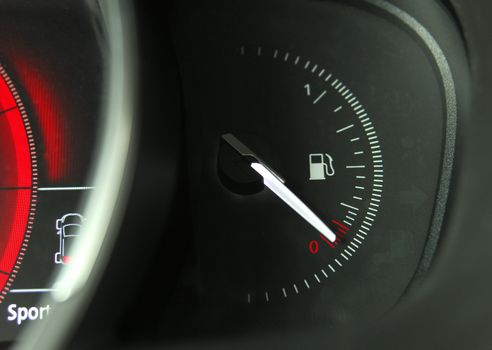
320 166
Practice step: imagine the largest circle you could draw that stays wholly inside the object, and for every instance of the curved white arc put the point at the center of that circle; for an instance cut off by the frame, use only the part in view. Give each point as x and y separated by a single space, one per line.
277 187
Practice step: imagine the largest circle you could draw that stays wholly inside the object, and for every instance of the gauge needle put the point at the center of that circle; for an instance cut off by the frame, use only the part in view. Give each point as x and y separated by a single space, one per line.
277 185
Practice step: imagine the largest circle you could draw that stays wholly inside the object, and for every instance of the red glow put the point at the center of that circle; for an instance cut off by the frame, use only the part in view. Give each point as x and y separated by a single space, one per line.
3 279
7 150
16 181
49 114
22 153
15 220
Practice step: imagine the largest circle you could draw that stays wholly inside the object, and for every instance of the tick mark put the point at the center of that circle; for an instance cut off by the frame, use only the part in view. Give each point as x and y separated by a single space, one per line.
319 97
345 128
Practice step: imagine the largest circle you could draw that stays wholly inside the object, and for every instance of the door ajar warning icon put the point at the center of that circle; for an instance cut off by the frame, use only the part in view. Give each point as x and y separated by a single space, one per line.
320 166
67 229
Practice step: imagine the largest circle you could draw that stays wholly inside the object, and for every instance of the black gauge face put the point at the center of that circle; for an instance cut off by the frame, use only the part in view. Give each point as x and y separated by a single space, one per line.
319 138
314 159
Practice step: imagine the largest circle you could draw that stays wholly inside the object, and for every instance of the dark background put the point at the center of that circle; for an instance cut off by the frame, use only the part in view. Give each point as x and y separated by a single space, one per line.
450 309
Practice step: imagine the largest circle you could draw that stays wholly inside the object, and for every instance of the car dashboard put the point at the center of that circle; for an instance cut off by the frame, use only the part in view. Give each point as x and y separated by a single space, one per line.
230 174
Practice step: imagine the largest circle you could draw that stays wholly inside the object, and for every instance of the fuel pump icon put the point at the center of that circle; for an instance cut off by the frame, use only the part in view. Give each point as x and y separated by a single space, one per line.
320 166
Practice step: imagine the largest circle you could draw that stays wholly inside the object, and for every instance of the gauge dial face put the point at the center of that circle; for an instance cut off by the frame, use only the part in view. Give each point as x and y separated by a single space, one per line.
320 139
299 124
18 183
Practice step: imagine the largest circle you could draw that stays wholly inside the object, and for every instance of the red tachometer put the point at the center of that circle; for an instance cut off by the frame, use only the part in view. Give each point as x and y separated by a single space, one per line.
18 182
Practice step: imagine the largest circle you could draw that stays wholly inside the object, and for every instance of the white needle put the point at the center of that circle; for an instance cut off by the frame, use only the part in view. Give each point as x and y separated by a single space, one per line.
278 187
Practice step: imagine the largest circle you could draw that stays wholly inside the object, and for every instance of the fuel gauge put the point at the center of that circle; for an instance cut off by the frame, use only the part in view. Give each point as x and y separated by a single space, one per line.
298 180
318 141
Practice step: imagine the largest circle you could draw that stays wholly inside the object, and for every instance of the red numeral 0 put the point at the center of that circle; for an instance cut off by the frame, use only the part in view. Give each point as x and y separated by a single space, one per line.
313 247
